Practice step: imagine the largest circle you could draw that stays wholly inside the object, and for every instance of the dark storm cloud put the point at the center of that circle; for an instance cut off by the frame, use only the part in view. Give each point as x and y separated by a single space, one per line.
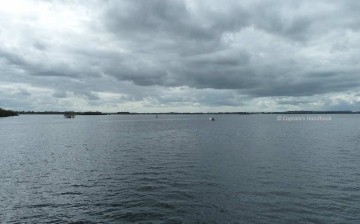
186 45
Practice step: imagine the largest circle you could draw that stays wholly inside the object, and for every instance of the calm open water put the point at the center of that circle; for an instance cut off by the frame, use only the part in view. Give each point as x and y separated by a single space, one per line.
179 169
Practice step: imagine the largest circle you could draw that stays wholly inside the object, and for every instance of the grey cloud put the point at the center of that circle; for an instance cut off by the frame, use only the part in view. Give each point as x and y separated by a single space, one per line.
43 68
147 23
156 18
310 83
23 92
250 48
60 95
90 96
40 45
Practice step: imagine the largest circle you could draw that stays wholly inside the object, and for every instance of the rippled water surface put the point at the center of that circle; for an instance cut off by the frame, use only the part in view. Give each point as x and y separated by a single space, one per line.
179 169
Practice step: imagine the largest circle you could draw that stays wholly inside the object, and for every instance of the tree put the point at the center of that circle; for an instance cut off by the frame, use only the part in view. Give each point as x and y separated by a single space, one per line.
7 113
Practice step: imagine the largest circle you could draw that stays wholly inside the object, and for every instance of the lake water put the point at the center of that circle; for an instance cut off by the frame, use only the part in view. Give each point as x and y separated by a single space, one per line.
179 169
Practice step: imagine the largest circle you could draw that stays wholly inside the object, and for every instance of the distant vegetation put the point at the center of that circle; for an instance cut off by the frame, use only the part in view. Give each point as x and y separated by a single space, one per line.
12 113
7 113
90 113
63 112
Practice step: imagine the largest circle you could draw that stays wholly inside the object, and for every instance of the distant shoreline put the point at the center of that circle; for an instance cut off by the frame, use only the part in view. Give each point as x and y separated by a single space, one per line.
184 113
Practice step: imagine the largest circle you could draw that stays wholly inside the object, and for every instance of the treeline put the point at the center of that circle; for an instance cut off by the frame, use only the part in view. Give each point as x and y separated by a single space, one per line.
7 113
90 113
13 113
40 112
62 112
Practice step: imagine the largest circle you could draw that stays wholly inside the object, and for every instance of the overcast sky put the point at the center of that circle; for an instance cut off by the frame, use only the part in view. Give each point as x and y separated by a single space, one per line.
172 55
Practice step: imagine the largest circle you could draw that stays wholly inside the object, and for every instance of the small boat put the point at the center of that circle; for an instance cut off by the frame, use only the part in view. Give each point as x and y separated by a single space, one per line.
211 119
69 115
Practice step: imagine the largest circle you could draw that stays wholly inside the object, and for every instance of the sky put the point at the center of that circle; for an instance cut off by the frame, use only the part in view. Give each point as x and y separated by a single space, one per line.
179 55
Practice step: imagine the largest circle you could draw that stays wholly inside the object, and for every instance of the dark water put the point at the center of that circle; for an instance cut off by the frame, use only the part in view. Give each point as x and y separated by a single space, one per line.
179 169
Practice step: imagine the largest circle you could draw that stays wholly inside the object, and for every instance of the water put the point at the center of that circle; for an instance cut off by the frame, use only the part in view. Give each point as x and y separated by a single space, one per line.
179 169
